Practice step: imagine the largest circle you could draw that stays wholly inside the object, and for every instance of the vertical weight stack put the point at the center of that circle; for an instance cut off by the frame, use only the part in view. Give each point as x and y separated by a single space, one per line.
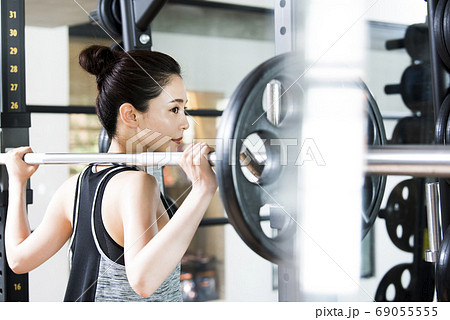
404 213
14 123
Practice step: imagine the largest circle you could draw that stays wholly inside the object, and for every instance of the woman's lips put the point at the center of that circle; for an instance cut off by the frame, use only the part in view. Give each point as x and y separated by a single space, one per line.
177 141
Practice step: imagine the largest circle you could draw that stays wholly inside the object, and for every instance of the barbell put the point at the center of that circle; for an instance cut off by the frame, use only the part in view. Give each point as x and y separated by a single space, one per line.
403 160
247 200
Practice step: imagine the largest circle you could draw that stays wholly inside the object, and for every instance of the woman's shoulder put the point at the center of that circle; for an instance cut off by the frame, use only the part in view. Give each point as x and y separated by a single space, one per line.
64 197
132 191
68 186
135 181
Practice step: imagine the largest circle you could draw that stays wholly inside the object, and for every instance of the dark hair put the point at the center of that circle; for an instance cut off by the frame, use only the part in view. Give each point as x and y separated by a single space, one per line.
135 77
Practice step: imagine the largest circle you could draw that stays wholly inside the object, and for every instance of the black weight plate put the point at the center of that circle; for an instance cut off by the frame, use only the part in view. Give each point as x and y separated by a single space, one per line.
420 286
417 42
400 214
374 186
446 26
414 130
442 121
416 88
443 269
104 142
108 14
442 130
393 277
241 198
439 32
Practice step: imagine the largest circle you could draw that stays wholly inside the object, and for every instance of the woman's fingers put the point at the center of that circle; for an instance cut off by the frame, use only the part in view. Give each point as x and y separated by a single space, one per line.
17 168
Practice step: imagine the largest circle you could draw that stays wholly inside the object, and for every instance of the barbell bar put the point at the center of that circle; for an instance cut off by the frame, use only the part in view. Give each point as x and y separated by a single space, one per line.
409 160
413 160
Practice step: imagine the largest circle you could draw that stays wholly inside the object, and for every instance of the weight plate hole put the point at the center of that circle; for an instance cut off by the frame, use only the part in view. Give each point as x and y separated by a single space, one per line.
405 193
399 231
273 220
390 292
268 231
411 241
253 157
396 207
406 278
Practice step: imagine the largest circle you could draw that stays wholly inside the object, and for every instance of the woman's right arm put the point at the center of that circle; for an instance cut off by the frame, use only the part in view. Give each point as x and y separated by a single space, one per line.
26 250
151 254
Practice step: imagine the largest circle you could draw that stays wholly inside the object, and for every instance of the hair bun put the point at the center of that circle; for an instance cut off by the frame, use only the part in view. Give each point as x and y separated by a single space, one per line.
97 60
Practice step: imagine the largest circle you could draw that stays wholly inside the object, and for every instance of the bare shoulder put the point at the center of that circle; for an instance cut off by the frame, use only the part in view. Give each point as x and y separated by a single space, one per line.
136 182
68 187
64 198
133 192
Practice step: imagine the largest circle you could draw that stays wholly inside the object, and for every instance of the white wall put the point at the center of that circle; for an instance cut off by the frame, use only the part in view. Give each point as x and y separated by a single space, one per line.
248 277
397 11
213 64
47 83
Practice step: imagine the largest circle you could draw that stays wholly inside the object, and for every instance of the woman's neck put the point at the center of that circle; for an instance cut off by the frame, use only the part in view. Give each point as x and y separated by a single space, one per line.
116 147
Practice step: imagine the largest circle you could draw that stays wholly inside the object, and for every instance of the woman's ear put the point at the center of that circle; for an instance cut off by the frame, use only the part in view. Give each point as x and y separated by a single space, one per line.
128 115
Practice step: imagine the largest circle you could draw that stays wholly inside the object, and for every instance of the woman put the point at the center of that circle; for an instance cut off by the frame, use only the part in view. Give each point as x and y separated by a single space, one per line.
124 245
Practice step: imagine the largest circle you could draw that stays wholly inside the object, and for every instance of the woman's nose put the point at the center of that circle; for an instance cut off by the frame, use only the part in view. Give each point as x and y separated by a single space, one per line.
184 122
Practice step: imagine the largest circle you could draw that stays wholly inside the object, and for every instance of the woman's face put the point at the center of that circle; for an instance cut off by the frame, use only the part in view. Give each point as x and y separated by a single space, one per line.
163 124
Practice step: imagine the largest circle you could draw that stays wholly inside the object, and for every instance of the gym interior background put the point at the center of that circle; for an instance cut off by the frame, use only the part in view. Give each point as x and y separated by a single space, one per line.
217 46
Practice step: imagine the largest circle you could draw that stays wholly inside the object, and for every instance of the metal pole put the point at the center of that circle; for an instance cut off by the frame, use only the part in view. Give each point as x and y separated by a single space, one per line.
434 221
409 160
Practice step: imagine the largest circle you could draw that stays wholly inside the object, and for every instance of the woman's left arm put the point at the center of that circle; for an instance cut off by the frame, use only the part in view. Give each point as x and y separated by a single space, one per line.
26 250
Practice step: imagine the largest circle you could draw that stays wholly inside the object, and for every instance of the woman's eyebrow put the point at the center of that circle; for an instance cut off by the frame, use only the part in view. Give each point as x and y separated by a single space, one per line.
178 100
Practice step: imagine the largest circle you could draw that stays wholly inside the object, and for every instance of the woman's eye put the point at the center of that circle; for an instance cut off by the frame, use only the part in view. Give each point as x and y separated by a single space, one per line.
175 109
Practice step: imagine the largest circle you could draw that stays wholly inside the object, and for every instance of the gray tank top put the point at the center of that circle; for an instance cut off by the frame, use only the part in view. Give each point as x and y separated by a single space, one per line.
103 260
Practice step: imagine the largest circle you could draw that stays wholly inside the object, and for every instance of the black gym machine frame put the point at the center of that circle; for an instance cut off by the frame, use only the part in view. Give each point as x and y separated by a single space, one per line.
15 122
